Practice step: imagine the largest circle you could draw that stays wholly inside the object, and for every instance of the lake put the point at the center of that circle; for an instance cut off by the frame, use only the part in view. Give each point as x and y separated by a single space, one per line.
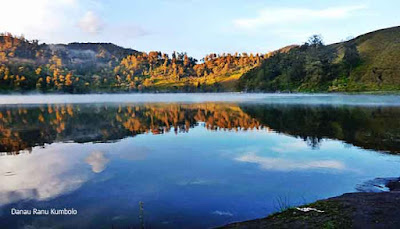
187 160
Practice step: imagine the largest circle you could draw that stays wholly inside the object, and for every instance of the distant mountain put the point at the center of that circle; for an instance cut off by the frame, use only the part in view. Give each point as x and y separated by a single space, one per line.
369 62
20 50
27 65
101 52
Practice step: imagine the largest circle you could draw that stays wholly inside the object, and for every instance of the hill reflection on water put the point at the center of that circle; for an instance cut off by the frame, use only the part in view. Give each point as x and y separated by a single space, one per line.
25 126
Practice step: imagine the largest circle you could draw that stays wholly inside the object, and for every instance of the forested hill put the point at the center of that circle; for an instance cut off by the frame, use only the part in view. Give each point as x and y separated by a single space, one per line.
104 67
367 63
370 62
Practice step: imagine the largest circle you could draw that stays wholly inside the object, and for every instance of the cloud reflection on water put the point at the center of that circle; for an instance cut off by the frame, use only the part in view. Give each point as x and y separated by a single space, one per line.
41 175
281 164
98 161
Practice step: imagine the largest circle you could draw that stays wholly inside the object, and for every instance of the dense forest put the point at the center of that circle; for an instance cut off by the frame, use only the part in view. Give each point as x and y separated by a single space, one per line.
367 63
104 67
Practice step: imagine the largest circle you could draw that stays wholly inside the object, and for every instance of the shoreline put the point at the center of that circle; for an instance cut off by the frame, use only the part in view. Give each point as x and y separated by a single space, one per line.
350 210
394 92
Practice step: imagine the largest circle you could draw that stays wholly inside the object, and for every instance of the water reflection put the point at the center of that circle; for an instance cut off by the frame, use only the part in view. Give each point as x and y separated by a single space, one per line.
23 127
222 162
43 176
376 128
269 163
98 161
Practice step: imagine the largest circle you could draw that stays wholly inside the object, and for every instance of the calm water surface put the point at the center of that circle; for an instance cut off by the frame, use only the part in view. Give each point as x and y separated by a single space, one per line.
193 161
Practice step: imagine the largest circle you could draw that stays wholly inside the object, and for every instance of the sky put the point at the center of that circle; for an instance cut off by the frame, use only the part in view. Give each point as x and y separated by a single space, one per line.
197 27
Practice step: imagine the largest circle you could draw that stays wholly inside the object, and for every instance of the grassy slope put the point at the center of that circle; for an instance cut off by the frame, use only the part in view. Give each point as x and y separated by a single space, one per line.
378 70
227 82
380 66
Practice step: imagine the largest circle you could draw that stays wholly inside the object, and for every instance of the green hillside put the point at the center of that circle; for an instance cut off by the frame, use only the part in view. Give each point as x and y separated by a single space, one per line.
380 56
370 62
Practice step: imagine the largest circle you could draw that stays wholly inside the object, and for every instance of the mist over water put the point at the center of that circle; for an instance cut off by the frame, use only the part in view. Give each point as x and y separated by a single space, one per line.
307 99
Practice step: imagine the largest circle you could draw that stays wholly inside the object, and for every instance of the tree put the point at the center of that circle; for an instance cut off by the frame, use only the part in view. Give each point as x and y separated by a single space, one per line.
351 56
315 41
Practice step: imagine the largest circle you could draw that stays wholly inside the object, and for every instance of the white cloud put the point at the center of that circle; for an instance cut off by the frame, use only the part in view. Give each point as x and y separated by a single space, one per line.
91 23
281 164
279 16
64 21
36 18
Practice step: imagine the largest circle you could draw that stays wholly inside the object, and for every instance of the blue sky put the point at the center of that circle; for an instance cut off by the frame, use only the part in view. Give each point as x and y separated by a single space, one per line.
197 27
